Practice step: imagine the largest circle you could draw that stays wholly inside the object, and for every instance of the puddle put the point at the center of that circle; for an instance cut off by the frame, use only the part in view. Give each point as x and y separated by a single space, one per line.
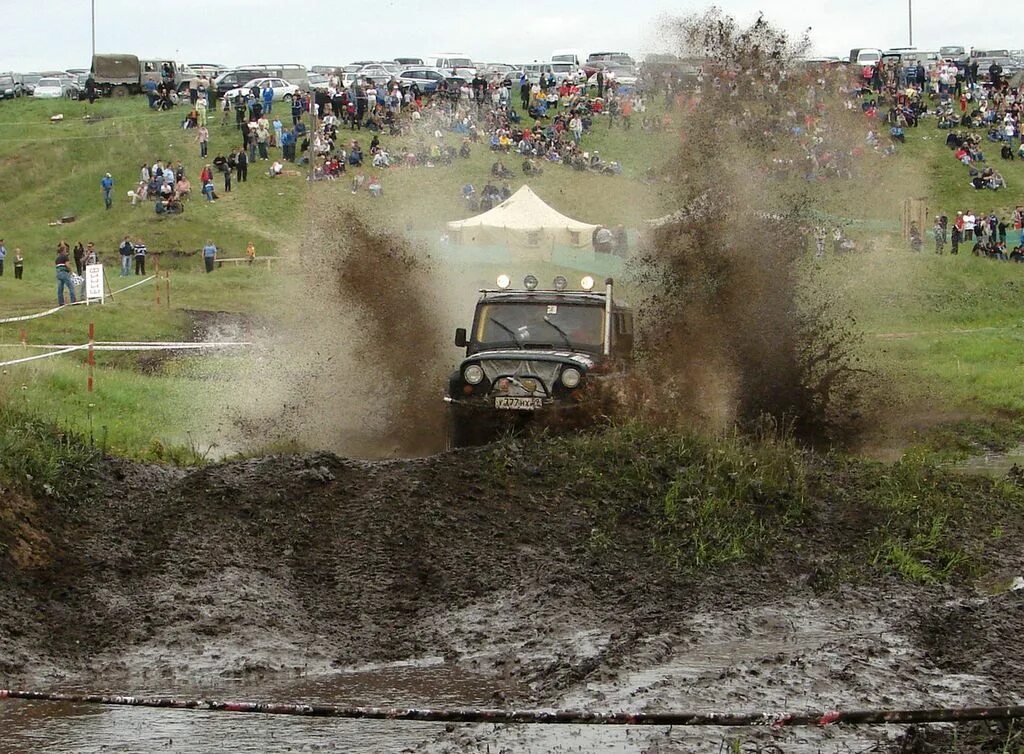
65 728
993 464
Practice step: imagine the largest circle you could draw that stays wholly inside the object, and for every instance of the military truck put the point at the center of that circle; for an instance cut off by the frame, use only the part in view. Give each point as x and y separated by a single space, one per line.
116 75
535 355
119 75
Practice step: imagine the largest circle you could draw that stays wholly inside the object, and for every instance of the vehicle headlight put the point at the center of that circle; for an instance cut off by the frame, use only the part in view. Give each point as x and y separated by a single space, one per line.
571 377
473 374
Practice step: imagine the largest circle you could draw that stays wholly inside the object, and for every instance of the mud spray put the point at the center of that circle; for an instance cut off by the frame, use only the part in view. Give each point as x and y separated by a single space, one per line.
730 332
355 361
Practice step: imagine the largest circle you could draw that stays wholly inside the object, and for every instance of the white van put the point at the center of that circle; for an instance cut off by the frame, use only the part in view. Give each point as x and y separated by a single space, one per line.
535 70
575 57
450 62
865 56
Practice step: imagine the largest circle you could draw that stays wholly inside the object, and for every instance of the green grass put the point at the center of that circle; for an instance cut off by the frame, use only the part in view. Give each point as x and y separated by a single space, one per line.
728 501
910 307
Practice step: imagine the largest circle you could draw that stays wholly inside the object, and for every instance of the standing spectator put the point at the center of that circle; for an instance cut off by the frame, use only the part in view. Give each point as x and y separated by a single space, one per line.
954 239
108 190
126 250
19 264
91 257
203 137
63 276
939 233
79 257
268 98
139 251
3 255
209 255
250 252
970 224
242 167
201 108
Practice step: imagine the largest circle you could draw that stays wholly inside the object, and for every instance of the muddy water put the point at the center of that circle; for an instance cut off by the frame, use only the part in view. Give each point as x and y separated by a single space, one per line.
59 728
994 464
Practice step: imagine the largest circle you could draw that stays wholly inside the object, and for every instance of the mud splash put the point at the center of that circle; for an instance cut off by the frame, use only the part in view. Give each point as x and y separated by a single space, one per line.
355 362
728 331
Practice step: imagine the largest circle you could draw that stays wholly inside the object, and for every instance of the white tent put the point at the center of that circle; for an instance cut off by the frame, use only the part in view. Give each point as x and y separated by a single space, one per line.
525 221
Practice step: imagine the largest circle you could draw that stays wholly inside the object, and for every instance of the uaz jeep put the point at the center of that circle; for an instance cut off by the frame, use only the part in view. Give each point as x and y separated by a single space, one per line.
533 356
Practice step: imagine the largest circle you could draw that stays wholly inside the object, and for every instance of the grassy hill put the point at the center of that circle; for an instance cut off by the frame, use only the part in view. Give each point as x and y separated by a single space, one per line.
944 332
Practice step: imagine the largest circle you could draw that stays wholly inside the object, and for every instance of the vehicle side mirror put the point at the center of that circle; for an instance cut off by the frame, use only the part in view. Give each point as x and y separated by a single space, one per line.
460 337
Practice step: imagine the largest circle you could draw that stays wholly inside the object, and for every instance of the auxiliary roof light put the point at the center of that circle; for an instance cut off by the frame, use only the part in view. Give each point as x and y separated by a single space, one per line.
587 283
504 281
530 282
561 283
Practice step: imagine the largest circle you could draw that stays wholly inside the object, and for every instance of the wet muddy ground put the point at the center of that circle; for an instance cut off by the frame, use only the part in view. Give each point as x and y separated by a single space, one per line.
437 582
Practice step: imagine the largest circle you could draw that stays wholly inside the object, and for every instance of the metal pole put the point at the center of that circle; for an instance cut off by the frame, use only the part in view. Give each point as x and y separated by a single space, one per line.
910 21
94 28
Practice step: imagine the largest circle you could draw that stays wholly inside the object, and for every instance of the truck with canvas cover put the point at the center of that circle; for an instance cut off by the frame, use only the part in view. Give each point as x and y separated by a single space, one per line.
116 75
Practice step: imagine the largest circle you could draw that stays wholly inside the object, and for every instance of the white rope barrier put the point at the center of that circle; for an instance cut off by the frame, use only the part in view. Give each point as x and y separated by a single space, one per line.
54 310
55 350
42 356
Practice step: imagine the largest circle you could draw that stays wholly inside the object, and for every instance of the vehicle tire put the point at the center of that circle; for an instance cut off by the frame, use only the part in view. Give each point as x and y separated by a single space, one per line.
287 98
119 91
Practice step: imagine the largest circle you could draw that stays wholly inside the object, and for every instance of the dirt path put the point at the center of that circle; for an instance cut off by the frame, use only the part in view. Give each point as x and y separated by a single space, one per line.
310 564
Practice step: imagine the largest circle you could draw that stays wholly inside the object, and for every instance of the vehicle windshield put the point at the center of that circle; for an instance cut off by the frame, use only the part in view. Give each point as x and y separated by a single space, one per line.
868 57
6 80
460 63
48 82
541 325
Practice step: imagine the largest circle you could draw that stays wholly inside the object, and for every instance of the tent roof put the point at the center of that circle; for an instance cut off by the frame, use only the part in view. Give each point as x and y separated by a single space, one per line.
524 210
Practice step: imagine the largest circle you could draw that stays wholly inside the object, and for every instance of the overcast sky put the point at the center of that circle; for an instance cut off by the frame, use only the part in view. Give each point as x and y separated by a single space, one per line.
56 33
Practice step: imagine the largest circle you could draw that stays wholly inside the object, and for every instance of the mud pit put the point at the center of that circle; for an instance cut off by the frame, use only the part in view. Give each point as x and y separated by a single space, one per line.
277 578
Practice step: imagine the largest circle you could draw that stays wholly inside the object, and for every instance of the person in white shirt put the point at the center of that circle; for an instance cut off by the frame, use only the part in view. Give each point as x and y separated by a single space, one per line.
969 223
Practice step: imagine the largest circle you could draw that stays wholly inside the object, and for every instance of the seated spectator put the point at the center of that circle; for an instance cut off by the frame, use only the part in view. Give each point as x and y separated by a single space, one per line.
183 189
530 168
140 193
209 192
275 169
374 186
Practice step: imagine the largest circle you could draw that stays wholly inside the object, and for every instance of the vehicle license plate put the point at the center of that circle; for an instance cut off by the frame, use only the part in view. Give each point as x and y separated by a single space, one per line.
517 403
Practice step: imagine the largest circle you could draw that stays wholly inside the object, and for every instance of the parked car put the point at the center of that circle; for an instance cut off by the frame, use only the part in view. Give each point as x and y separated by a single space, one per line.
11 86
29 81
623 74
379 72
319 81
283 91
405 62
426 79
51 88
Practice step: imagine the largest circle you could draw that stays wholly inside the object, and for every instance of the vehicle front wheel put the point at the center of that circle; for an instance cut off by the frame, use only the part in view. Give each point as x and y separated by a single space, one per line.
287 98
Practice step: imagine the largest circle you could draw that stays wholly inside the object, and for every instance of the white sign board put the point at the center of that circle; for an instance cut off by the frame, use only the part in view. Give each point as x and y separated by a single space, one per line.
94 283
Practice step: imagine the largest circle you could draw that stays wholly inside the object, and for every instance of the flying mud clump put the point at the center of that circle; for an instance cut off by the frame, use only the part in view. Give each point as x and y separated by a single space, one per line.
352 362
729 332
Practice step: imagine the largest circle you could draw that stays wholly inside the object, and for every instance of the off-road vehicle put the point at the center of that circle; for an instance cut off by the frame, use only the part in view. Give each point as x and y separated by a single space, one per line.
535 356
